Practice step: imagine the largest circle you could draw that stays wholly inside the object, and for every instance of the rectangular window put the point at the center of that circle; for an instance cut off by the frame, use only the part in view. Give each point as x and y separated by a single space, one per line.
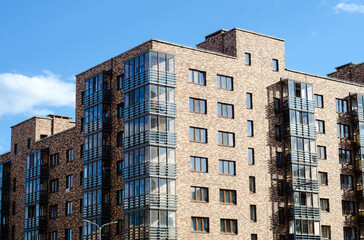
68 234
119 197
29 144
225 110
120 82
319 101
69 181
119 227
281 215
198 164
348 208
198 105
252 184
199 224
54 159
279 159
324 205
70 155
249 100
349 233
253 213
321 152
277 131
251 159
227 196
250 130
344 156
198 134
119 168
14 208
326 232
346 181
225 82
54 185
229 226
277 105
341 106
119 139
197 77
320 126
275 65
323 178
254 237
343 131
248 59
53 211
280 188
53 235
227 167
199 194
15 149
120 110
68 208
226 139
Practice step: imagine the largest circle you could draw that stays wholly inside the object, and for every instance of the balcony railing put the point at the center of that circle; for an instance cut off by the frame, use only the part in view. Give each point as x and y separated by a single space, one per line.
299 130
37 172
37 197
150 76
149 106
36 223
151 201
299 104
154 137
102 96
96 181
303 236
98 153
302 157
304 212
150 169
5 183
4 231
104 124
150 233
4 206
96 210
95 236
314 187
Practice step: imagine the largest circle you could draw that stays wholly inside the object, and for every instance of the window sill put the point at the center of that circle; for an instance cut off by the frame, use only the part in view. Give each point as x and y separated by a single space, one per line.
225 174
230 90
198 113
199 232
225 117
196 171
196 201
192 141
197 83
221 145
226 233
228 204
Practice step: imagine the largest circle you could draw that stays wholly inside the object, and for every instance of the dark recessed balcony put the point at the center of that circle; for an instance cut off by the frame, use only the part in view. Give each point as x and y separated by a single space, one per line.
4 231
103 124
4 206
96 210
5 183
36 223
37 172
97 181
37 197
98 153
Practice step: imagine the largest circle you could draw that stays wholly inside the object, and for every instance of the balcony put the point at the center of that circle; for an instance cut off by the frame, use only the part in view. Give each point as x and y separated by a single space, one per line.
299 130
305 237
154 137
150 169
96 181
99 124
303 212
102 96
158 107
37 172
96 210
314 187
4 206
4 231
301 157
94 236
150 233
39 223
150 76
5 183
299 104
98 153
165 201
37 197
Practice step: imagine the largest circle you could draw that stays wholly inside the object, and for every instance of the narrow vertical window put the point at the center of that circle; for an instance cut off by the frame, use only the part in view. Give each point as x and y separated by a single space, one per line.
253 213
249 100
250 130
275 65
251 156
252 184
248 59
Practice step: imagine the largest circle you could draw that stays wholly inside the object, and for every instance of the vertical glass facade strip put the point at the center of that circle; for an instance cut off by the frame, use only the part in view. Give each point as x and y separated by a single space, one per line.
149 144
4 199
96 155
300 153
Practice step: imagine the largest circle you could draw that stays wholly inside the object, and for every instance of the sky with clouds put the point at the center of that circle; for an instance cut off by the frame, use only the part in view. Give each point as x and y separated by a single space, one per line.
45 43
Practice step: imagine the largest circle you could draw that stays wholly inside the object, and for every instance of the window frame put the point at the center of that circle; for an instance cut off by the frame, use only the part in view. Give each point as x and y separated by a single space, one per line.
194 129
229 110
223 222
222 163
253 213
320 126
275 65
250 128
203 191
252 185
248 59
323 176
200 73
200 103
203 221
342 106
194 158
231 193
69 155
316 98
324 204
219 82
226 136
321 152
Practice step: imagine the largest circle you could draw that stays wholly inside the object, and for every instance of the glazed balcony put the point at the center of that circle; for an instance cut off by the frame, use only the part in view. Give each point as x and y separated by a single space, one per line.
156 200
299 130
299 104
152 137
149 106
36 223
96 210
304 212
103 124
150 169
102 96
96 181
150 233
37 172
301 157
36 197
105 236
98 153
150 76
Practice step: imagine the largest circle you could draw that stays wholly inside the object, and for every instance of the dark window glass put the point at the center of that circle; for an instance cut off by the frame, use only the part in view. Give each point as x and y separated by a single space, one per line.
275 65
248 59
198 164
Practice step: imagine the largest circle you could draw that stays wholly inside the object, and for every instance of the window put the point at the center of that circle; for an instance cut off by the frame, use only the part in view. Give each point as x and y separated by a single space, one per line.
55 159
226 139
250 128
324 205
197 105
14 184
254 237
277 131
68 234
15 148
320 126
251 160
349 233
323 178
14 208
70 155
321 152
252 184
280 188
68 208
346 181
281 215
53 235
199 194
119 139
197 77
199 224
326 232
198 164
43 136
341 106
225 82
119 168
248 60
225 110
277 105
319 101
348 207
120 110
343 131
253 213
227 167
54 185
275 65
198 134
119 227
29 144
120 82
249 100
53 211
119 197
81 151
279 159
229 226
69 181
344 156
228 196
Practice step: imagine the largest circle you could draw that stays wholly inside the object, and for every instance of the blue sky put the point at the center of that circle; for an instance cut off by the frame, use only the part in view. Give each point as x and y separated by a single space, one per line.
43 44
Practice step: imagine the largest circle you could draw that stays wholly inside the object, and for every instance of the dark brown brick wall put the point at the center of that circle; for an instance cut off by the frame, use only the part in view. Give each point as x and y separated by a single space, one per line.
351 72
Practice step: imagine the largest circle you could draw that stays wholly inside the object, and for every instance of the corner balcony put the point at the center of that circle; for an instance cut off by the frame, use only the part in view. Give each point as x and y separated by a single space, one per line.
37 172
304 212
150 169
102 96
150 76
151 200
150 233
314 187
299 130
98 153
96 210
150 137
104 124
299 104
96 181
301 157
36 223
149 106
36 197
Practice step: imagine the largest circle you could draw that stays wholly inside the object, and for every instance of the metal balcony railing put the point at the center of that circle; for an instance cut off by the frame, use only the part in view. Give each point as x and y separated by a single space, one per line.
304 212
37 172
102 152
302 157
301 236
102 96
149 106
96 181
153 137
95 236
96 210
39 223
150 169
4 231
150 233
150 76
164 201
299 130
104 124
299 104
37 197
4 206
5 183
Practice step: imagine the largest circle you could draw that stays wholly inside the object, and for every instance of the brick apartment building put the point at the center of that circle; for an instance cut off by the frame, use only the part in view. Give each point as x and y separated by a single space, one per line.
221 141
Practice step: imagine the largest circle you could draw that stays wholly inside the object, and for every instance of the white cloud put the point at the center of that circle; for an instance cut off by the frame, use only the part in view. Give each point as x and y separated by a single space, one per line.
349 8
32 95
